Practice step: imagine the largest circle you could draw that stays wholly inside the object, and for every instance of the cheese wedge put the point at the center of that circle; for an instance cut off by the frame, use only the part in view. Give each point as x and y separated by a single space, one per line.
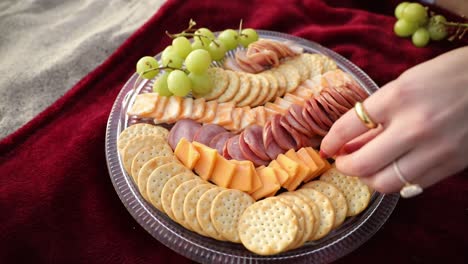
294 156
270 184
321 163
281 175
187 153
291 167
300 176
304 156
222 172
242 178
206 163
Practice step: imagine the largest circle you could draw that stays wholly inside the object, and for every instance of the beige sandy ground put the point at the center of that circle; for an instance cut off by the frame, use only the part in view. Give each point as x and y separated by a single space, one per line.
46 46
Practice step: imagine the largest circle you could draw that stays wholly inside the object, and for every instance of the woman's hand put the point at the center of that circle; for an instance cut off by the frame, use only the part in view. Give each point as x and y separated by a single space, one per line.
423 117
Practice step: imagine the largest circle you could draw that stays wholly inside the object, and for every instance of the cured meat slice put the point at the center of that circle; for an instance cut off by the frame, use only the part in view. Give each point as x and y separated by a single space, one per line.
296 112
272 149
248 153
296 125
341 109
183 128
254 138
233 148
219 140
206 133
312 123
297 136
331 112
225 151
280 135
319 116
339 98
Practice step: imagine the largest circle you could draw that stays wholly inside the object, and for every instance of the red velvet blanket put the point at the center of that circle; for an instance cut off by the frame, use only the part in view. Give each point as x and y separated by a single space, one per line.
58 205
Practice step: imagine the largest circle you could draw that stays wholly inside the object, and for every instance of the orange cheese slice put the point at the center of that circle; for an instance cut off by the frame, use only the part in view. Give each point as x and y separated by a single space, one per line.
281 174
270 184
223 114
276 108
242 178
290 166
198 108
304 156
294 99
321 165
187 153
210 112
206 163
301 173
222 172
294 156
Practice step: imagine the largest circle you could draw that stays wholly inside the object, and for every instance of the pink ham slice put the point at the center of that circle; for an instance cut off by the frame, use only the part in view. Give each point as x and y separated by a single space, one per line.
313 123
293 122
299 138
280 135
233 148
248 153
183 128
272 150
296 111
219 140
206 133
254 138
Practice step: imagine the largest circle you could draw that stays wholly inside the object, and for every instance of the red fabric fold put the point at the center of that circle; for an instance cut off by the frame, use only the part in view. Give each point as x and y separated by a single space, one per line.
58 205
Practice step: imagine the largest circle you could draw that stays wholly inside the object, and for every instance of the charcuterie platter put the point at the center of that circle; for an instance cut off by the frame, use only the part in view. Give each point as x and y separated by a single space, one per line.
229 171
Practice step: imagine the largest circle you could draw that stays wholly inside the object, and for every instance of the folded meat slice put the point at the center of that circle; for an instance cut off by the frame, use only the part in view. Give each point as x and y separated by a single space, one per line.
281 136
219 140
233 148
254 138
248 153
206 133
272 149
183 128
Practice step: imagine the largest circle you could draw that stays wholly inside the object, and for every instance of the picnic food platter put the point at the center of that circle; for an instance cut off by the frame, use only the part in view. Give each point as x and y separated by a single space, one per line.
177 216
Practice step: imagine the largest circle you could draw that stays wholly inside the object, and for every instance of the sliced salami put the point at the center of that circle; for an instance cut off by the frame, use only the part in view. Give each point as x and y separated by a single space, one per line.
293 122
219 140
183 128
254 138
206 133
312 123
248 153
299 138
272 150
233 148
341 109
267 136
296 112
280 135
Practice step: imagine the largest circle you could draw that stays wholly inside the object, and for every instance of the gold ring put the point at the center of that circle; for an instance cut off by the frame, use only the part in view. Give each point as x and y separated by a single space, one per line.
409 190
364 116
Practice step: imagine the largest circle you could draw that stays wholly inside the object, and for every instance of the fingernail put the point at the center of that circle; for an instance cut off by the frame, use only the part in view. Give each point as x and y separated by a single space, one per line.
323 155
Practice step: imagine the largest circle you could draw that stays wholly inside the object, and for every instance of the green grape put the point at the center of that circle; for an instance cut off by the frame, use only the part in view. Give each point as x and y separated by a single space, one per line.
160 85
181 46
198 61
198 44
399 9
147 63
217 50
171 59
415 13
404 28
229 38
201 83
248 36
207 33
437 30
421 37
179 83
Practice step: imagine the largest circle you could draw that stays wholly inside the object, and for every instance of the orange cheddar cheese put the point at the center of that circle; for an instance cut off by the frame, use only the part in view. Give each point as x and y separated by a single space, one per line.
187 153
321 166
270 184
206 163
304 156
298 179
198 108
294 99
222 172
290 166
223 114
256 181
276 108
210 111
281 175
242 178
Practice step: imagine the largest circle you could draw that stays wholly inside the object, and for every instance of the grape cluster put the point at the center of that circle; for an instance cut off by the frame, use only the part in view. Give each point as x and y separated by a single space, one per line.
185 62
413 20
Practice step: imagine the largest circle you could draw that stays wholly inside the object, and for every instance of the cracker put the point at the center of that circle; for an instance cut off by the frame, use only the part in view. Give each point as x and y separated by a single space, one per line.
253 91
327 213
310 222
138 130
272 88
177 202
203 213
231 90
148 168
171 185
336 197
219 79
298 63
264 90
138 143
293 78
314 62
281 80
225 211
300 238
328 64
146 154
190 206
158 179
268 227
356 192
244 88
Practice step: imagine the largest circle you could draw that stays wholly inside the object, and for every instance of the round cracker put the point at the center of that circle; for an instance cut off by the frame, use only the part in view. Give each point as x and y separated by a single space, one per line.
301 237
225 211
327 213
231 90
336 197
268 227
139 130
203 213
302 68
315 63
169 188
254 89
146 154
219 79
138 143
293 78
281 80
328 64
356 192
244 82
177 202
264 90
190 206
148 168
158 179
309 217
272 87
